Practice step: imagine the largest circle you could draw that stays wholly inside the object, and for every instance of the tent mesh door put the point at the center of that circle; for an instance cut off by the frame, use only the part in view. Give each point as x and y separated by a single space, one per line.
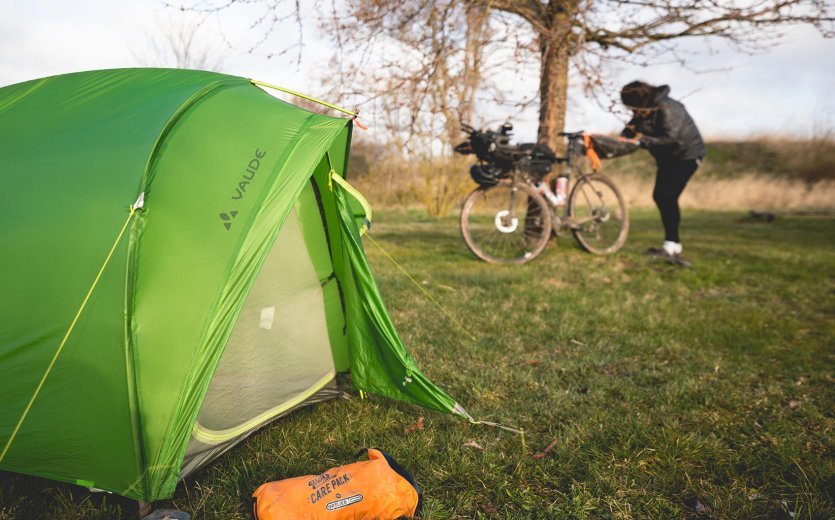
278 356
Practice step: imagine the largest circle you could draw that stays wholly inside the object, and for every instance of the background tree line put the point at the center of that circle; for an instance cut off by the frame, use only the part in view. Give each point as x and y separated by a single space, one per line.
421 67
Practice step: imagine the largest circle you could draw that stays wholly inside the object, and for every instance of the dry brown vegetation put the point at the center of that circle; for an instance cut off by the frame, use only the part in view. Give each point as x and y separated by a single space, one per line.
389 178
778 175
764 174
746 192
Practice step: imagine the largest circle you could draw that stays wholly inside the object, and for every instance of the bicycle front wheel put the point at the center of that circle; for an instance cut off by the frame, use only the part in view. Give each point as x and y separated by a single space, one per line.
597 215
506 224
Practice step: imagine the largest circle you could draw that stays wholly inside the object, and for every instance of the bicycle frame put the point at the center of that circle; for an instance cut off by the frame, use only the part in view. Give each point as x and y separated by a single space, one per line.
568 169
591 202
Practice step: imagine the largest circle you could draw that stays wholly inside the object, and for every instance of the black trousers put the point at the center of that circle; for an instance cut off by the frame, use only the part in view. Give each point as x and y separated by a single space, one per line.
670 179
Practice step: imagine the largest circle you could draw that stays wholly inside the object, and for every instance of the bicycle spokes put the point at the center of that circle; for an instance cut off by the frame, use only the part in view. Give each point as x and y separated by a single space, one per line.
598 215
505 224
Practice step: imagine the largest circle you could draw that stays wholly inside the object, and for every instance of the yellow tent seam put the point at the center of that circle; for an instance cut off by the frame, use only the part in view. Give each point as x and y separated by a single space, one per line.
208 436
66 336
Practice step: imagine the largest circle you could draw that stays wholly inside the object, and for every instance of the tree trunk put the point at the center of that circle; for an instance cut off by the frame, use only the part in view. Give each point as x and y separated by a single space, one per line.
554 51
553 93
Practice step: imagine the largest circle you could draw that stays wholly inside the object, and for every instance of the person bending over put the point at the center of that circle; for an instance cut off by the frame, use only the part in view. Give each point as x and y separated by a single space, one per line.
664 127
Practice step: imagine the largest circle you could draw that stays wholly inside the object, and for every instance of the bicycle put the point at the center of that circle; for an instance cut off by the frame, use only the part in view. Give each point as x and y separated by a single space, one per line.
510 217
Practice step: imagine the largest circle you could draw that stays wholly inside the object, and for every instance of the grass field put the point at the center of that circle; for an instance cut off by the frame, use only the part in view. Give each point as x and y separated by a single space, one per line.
669 393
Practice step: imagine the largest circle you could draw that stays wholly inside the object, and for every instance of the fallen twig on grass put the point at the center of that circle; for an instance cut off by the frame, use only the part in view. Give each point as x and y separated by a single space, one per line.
544 453
418 425
472 444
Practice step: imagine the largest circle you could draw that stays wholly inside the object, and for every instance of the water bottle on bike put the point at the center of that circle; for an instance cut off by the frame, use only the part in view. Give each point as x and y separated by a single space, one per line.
556 199
562 187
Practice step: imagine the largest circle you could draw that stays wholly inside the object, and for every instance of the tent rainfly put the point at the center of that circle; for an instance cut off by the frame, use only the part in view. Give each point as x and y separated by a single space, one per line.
181 264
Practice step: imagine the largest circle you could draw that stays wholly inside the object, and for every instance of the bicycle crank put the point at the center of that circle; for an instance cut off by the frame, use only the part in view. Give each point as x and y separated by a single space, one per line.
601 214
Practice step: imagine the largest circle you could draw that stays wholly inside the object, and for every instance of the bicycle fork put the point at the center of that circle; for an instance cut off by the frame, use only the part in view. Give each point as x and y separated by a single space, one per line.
506 220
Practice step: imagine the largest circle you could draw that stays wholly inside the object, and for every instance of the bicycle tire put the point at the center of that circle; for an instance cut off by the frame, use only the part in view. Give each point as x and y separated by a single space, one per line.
492 237
598 215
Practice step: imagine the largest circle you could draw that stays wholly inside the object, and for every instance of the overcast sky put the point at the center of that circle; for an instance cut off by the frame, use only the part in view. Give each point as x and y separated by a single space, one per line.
788 90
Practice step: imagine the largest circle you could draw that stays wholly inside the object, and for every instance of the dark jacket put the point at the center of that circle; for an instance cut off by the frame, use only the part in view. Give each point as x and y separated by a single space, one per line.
668 132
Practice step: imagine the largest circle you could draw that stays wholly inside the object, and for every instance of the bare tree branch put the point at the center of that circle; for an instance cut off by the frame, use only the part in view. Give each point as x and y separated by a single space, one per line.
428 62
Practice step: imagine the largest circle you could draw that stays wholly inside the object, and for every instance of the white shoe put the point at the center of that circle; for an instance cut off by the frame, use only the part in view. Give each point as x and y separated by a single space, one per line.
672 248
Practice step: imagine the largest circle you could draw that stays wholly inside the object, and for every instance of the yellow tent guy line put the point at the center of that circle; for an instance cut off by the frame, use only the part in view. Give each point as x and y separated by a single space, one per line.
501 427
299 94
69 330
419 286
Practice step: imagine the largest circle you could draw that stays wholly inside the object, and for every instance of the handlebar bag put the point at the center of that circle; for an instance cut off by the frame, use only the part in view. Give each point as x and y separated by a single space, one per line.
610 147
481 144
377 488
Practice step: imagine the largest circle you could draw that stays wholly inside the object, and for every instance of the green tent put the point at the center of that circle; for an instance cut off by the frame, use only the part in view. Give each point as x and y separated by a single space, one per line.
180 263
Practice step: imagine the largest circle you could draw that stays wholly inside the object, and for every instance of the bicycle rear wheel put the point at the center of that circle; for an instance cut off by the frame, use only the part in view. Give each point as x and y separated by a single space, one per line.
503 224
597 214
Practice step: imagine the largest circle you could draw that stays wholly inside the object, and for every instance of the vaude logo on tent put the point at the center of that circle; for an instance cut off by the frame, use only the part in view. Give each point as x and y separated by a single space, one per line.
227 219
343 502
249 175
243 183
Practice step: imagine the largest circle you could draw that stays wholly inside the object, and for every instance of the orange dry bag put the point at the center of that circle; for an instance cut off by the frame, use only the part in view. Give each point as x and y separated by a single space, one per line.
377 488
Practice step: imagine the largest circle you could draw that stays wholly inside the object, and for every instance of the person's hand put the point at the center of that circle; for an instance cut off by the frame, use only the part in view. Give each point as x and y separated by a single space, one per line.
629 132
646 142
